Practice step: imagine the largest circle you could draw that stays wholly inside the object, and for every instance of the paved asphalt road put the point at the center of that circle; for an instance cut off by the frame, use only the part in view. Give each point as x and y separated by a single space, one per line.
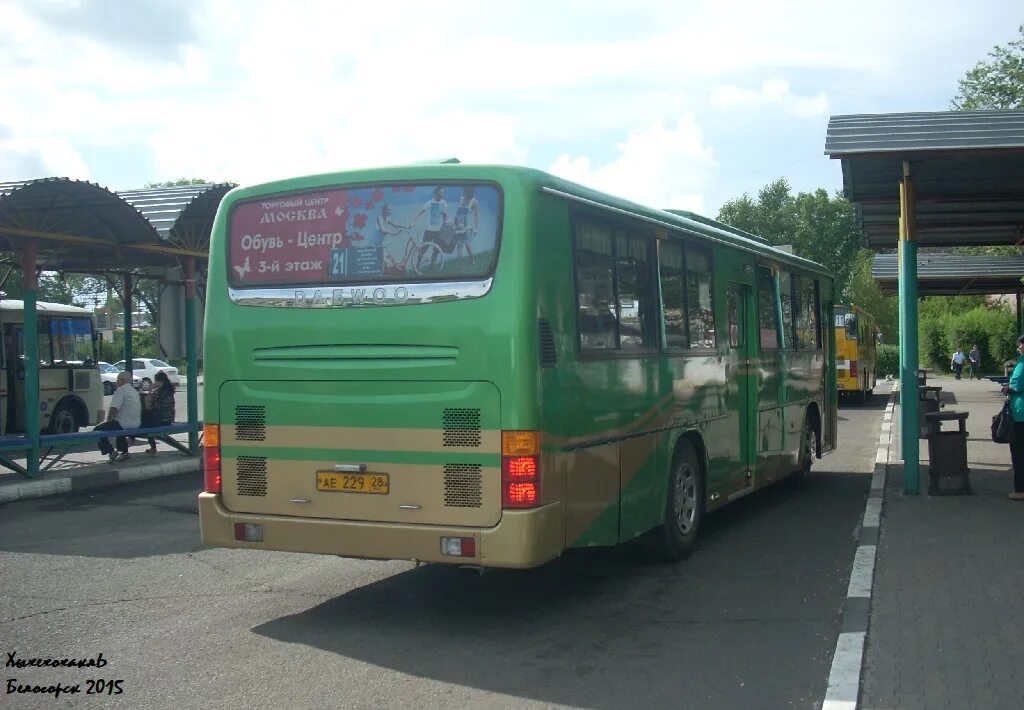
750 621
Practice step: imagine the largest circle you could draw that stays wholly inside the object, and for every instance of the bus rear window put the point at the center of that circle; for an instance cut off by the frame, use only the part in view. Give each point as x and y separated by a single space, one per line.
369 234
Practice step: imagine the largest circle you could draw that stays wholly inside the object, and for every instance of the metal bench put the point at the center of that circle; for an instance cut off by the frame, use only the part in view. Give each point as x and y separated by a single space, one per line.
54 447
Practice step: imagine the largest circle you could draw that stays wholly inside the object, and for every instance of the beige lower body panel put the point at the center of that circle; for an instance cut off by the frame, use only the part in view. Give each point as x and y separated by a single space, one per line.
523 538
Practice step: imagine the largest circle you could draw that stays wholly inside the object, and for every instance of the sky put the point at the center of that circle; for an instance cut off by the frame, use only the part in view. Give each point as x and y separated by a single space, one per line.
675 104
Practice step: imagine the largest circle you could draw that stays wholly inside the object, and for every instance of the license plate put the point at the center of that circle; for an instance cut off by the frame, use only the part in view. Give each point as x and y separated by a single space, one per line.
334 482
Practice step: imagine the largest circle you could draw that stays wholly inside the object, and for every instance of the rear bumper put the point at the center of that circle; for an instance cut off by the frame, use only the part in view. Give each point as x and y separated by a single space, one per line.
523 538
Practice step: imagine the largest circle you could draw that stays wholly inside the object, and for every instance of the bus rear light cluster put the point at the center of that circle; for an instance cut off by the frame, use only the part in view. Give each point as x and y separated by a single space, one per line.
853 368
458 546
249 532
520 469
211 458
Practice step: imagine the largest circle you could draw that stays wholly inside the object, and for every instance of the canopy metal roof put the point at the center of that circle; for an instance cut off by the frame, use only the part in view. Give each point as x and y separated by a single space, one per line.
79 226
943 274
967 168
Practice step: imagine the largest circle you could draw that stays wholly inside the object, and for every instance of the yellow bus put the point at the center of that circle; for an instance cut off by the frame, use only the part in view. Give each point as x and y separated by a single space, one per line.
70 391
856 343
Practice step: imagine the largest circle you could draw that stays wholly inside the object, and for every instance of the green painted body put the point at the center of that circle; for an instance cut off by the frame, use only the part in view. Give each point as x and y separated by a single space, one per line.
610 425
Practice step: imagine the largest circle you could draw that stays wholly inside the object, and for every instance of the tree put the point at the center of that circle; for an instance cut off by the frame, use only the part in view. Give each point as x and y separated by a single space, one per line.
996 83
819 227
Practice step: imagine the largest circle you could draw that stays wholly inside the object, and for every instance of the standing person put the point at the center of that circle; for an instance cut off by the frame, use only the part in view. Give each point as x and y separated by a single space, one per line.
159 406
975 359
385 227
957 362
1015 389
125 413
467 221
436 210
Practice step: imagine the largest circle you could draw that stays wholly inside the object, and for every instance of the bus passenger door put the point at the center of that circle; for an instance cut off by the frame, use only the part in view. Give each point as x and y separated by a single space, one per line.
740 368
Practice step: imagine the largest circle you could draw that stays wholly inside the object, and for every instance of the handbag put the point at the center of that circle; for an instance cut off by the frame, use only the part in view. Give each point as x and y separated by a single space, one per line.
1002 424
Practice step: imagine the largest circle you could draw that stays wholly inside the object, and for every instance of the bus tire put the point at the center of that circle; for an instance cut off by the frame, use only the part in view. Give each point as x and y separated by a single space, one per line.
63 420
808 450
676 538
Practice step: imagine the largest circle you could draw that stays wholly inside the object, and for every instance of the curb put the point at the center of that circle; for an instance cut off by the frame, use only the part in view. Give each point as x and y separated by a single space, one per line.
847 670
95 479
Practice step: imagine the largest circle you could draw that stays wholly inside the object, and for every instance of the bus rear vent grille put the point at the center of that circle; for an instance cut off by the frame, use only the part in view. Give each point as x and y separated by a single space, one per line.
462 485
252 476
250 423
461 427
546 340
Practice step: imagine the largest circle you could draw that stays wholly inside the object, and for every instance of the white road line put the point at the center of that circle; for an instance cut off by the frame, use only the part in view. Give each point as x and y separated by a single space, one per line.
844 678
863 572
872 512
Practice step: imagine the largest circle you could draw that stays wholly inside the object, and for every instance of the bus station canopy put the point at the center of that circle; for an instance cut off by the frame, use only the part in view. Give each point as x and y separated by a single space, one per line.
967 168
940 274
82 227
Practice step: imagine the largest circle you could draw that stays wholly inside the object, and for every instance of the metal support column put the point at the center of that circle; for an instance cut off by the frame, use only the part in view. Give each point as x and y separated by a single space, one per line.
31 333
1019 333
127 321
190 352
909 426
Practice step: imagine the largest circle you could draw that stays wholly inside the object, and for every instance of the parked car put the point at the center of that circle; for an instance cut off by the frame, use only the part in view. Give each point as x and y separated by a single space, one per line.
108 376
146 368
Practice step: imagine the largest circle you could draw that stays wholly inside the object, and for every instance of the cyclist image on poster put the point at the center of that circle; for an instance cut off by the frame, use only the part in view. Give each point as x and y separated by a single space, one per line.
467 221
437 229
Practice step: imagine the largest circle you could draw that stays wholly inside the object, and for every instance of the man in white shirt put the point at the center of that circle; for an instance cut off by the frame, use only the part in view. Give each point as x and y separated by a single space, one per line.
125 413
956 363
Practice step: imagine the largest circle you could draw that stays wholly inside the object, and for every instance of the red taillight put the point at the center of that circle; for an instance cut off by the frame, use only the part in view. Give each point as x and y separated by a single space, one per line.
520 469
853 368
211 458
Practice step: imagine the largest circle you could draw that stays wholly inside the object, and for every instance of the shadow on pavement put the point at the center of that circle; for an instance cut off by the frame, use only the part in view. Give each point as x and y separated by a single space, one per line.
592 628
155 517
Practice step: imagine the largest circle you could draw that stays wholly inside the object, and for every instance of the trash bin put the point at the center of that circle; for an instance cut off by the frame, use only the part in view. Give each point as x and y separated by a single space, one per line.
928 402
947 455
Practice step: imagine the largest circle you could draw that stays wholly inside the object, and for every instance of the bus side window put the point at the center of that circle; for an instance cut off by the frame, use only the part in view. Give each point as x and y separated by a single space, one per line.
766 315
700 312
670 264
632 277
595 317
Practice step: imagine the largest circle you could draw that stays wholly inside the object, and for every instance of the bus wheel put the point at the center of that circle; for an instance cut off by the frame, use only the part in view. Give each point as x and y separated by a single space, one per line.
808 449
63 421
684 506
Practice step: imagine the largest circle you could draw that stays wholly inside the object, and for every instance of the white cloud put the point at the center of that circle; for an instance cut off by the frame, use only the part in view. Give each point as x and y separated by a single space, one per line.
774 93
660 166
24 157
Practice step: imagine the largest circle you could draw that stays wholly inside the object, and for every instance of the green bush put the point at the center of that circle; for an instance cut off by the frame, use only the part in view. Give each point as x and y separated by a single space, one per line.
887 361
143 345
991 329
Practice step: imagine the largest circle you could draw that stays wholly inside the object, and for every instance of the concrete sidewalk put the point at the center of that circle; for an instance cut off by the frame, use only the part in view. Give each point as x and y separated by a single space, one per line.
81 470
944 630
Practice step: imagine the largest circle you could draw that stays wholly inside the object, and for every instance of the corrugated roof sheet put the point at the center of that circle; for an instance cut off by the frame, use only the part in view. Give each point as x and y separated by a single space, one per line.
967 168
913 132
943 274
181 211
176 216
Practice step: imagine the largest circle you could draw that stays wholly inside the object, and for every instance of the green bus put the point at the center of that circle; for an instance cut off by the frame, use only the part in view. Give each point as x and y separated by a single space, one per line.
487 366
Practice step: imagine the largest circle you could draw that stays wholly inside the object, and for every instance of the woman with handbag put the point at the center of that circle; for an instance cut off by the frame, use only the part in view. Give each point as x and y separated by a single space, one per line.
158 407
1015 389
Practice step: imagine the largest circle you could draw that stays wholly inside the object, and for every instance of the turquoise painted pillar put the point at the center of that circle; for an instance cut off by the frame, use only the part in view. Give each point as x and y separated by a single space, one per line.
31 371
909 361
191 382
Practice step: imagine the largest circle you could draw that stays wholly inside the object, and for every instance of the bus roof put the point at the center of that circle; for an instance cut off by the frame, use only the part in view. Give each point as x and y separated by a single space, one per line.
44 308
676 219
